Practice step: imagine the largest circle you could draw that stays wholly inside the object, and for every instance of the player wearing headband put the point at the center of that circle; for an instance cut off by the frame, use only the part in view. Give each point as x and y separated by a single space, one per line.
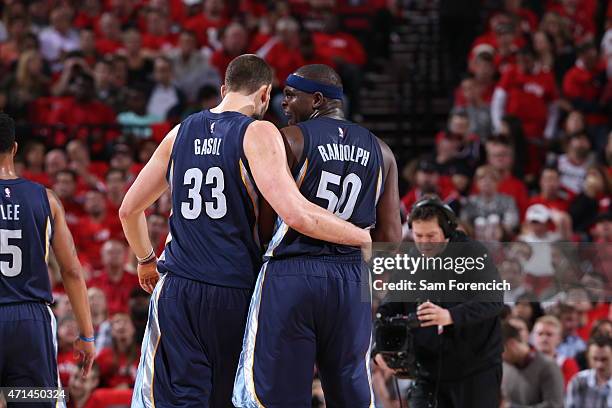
308 306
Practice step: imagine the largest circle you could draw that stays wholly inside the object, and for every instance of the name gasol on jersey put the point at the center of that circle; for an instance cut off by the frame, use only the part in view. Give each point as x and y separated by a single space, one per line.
9 212
207 146
335 151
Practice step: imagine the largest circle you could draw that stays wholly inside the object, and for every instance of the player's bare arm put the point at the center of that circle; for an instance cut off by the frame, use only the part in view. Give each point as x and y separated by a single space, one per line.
148 187
388 219
72 277
265 151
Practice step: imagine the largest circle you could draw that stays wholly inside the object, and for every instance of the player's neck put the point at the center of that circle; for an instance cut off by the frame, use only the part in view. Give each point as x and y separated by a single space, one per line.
334 112
235 102
7 167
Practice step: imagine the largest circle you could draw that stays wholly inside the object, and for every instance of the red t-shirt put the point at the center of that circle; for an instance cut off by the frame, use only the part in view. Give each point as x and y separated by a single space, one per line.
284 61
38 177
528 97
90 235
200 24
580 83
599 312
117 293
220 60
67 364
569 368
157 43
109 398
72 113
116 370
106 46
581 20
340 45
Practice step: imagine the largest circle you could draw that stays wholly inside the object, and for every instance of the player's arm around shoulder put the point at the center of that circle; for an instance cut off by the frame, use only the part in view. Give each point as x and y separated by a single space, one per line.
265 150
388 219
74 283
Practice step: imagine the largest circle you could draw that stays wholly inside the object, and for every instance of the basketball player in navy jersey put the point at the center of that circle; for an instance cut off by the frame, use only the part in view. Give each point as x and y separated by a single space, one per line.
307 306
32 220
219 164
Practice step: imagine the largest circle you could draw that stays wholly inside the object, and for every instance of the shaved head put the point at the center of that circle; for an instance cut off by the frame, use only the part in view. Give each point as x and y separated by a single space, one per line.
321 73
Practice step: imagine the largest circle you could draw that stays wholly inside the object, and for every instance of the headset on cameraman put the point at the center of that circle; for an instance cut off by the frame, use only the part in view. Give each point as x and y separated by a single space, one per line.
448 221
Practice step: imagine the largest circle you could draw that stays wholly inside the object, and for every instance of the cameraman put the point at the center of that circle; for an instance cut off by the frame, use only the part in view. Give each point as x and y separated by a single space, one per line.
458 344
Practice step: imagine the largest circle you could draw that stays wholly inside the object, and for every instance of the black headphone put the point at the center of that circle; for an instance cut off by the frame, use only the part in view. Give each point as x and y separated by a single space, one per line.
449 223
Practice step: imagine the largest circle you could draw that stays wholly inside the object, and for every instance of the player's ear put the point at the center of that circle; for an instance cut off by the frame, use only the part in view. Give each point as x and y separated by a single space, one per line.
317 100
223 91
264 93
15 148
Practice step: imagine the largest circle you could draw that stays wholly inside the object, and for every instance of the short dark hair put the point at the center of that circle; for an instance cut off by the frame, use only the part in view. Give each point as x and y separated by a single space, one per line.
247 73
114 170
600 341
321 73
510 332
7 133
68 172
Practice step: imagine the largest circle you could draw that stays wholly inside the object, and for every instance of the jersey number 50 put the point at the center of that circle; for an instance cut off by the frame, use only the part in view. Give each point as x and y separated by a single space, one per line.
214 209
335 205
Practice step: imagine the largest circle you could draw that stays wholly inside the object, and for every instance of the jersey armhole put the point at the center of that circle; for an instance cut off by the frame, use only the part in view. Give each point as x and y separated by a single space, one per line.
295 172
49 217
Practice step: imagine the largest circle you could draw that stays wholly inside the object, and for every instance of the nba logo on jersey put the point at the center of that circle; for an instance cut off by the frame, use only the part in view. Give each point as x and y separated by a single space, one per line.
7 192
212 127
341 133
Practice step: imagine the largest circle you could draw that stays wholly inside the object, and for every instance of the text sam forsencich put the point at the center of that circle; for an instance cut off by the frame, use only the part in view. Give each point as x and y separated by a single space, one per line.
451 285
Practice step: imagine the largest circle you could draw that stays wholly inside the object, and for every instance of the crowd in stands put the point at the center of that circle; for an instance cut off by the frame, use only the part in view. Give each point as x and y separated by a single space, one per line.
526 156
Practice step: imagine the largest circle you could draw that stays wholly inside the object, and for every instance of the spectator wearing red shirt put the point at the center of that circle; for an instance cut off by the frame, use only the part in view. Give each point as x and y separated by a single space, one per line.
207 24
82 110
95 228
109 37
115 281
116 187
500 155
65 186
34 158
584 86
283 52
503 45
55 161
234 42
119 363
551 194
67 332
157 225
580 14
91 173
529 93
81 388
481 66
348 56
427 181
123 159
546 339
158 36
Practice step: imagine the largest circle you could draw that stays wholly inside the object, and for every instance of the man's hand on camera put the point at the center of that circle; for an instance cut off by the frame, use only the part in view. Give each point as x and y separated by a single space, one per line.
433 315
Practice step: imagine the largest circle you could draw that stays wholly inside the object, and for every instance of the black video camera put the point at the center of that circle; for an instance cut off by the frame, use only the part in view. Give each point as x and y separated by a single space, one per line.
395 342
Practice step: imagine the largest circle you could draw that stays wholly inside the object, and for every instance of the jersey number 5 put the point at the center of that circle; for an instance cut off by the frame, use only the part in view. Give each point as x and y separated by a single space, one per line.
13 268
344 206
214 209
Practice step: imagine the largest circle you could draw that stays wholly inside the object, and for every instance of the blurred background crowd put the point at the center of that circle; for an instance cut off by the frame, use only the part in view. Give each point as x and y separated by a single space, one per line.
503 108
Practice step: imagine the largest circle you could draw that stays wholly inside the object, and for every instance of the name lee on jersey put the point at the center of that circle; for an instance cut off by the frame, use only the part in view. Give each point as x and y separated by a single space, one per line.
210 146
335 151
9 212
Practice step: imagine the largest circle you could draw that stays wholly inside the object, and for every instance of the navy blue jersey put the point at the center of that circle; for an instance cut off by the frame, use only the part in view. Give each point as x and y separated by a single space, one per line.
342 170
25 236
213 226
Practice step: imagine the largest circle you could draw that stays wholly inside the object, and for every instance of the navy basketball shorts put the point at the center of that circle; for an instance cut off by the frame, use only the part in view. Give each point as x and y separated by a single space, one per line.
28 349
191 345
307 311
